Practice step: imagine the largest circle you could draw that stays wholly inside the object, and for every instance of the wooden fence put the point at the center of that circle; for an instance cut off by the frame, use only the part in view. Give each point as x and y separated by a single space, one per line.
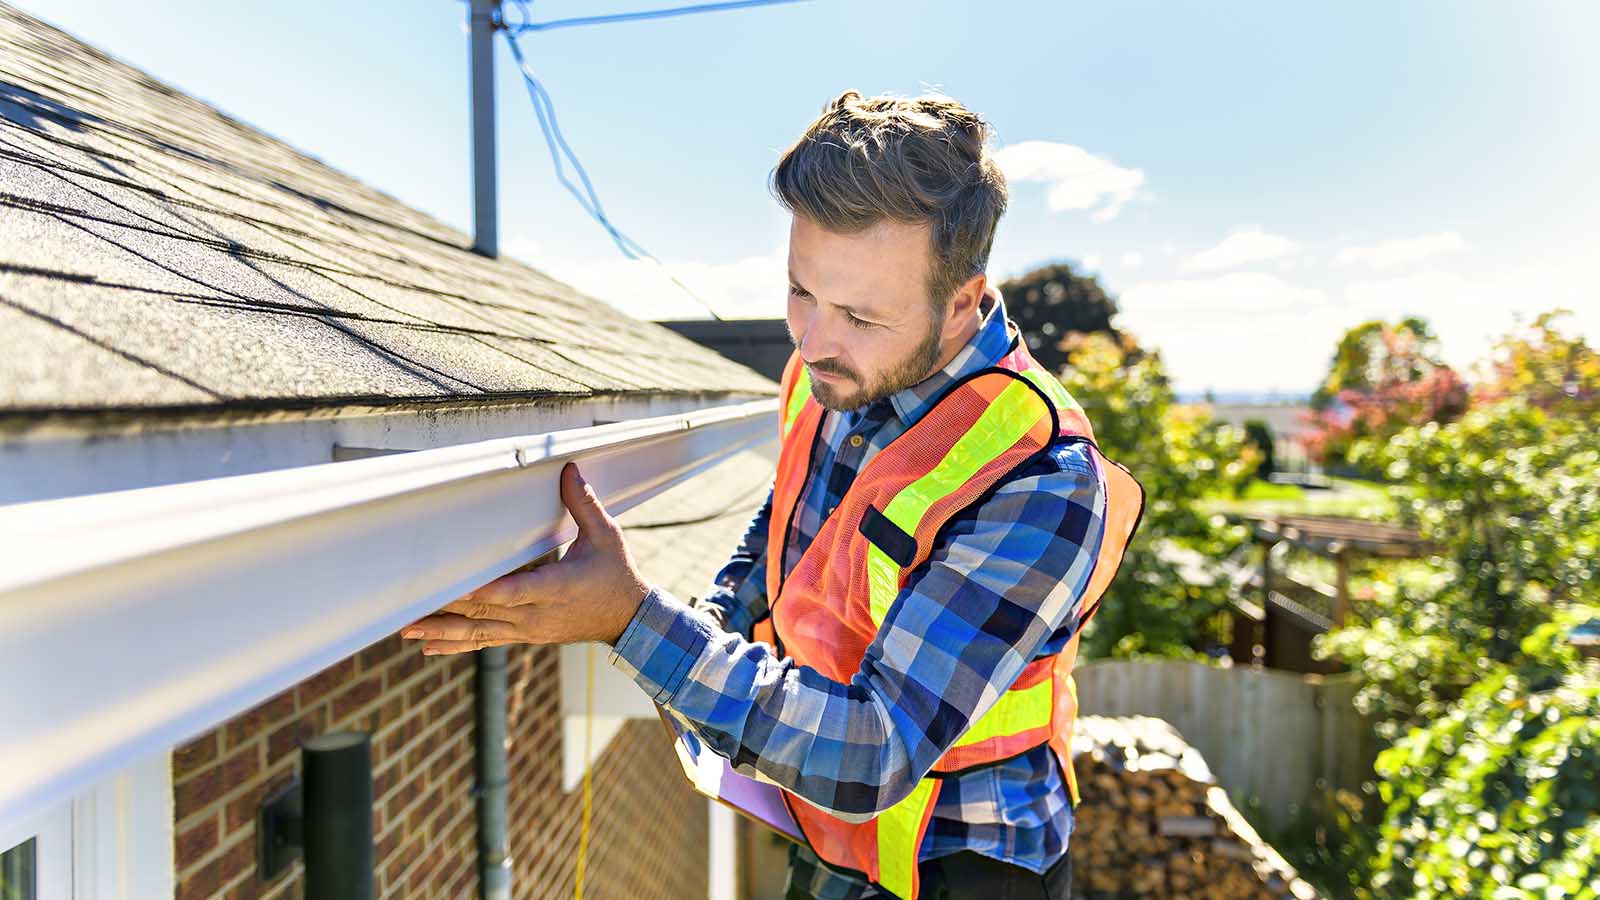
1275 741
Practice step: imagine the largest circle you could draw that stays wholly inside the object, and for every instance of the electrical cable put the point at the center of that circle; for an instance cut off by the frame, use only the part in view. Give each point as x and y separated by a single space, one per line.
544 109
645 14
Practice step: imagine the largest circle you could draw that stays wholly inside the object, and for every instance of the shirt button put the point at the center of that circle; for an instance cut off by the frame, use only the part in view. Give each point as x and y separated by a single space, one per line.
856 440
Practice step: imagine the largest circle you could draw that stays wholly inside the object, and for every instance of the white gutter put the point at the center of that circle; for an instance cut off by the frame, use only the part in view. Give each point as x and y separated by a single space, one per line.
131 621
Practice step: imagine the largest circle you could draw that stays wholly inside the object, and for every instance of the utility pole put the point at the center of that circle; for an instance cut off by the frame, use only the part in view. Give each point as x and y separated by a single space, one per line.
485 194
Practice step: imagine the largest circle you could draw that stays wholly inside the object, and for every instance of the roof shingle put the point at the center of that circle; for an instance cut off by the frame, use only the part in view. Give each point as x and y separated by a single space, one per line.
155 253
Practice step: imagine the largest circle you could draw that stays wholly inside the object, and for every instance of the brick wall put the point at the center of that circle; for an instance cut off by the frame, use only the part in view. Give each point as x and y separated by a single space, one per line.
419 712
648 828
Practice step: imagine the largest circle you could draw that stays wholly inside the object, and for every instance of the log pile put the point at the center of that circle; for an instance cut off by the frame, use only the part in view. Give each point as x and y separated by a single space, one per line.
1154 823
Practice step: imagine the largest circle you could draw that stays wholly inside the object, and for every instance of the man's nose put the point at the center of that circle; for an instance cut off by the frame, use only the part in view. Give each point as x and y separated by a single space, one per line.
820 341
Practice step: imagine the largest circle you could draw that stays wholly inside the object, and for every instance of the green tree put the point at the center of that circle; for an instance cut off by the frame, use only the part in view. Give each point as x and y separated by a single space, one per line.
1383 379
1259 434
1053 301
1179 454
1550 369
1500 796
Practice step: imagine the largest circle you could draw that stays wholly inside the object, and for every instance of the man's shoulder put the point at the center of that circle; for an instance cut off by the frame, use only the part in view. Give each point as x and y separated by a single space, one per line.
1060 483
1068 459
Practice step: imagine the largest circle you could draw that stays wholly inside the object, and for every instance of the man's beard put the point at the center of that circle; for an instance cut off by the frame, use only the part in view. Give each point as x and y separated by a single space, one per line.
916 366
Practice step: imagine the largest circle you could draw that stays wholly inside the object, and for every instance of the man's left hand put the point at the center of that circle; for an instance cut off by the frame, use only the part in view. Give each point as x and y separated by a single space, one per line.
589 595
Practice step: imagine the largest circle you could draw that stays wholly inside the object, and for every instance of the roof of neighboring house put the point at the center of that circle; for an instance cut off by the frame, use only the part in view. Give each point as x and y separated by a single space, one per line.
155 253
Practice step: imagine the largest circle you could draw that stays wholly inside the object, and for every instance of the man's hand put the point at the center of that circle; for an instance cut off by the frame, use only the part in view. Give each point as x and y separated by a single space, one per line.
590 595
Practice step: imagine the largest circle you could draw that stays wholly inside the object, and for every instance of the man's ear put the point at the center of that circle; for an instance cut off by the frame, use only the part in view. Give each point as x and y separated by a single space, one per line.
963 308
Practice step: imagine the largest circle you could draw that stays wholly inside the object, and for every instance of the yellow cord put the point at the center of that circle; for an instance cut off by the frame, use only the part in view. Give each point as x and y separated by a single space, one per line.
588 729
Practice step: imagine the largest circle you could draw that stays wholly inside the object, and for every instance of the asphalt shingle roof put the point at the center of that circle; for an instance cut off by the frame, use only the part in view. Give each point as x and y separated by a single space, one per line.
156 253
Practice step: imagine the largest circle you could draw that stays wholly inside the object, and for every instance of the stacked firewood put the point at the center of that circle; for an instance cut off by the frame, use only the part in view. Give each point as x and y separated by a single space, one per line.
1154 823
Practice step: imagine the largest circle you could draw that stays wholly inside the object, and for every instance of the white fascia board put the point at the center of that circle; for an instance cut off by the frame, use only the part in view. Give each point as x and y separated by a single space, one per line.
131 621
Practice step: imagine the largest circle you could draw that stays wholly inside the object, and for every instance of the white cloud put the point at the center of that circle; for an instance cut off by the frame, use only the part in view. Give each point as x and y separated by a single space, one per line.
1255 331
1091 262
1078 179
752 287
1242 247
1243 331
1469 313
1402 250
1131 260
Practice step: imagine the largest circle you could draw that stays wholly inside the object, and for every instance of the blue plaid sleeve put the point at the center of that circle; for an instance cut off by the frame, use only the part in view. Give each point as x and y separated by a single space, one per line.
739 592
1004 583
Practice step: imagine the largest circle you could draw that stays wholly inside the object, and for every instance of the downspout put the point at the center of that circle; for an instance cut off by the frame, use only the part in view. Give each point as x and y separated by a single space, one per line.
494 852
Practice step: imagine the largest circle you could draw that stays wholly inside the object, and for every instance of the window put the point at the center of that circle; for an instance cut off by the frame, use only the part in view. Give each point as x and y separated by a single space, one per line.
17 879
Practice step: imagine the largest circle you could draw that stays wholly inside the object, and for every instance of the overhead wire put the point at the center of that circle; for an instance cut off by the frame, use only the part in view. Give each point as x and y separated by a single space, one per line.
644 14
544 108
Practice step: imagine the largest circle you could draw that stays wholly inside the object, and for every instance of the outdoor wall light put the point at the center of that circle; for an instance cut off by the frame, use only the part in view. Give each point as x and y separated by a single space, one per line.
326 818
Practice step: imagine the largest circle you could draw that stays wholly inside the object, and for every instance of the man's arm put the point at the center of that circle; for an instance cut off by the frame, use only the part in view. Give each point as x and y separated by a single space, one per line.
739 593
1005 580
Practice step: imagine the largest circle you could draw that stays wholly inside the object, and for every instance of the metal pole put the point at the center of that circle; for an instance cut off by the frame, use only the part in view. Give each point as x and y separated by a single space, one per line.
494 852
485 201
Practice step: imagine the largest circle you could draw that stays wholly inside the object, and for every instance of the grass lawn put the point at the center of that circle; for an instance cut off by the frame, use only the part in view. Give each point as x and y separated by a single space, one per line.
1347 497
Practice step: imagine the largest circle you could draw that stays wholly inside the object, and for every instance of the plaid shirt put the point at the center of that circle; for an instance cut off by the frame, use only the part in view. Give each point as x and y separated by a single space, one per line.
1003 586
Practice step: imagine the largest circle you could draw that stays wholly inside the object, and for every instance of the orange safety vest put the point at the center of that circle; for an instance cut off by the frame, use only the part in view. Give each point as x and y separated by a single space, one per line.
828 610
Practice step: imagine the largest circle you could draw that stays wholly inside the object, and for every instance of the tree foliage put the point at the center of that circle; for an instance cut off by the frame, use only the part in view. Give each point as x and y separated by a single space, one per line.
1052 302
1488 785
1500 796
1383 379
1179 454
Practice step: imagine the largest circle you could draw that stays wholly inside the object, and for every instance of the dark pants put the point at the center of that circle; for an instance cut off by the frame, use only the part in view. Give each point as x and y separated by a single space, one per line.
965 875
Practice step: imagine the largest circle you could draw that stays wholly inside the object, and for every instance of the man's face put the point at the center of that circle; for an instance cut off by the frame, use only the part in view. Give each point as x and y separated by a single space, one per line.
859 311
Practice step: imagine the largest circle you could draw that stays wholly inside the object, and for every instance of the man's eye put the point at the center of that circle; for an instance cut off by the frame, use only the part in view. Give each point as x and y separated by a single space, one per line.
859 323
798 293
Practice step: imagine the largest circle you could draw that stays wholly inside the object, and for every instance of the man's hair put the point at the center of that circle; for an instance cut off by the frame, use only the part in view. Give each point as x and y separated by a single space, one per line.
867 159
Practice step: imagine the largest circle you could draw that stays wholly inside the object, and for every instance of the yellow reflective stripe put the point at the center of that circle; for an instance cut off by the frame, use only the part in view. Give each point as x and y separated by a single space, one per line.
1002 424
883 581
797 397
1015 712
1052 387
898 829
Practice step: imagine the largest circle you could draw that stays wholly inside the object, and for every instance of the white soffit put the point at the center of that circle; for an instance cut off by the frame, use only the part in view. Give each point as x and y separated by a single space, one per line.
131 621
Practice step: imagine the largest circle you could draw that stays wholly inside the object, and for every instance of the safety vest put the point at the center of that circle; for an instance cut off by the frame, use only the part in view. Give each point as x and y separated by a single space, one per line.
827 611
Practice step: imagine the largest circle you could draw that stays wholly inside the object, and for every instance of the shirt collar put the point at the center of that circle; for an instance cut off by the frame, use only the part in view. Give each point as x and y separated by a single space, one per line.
991 343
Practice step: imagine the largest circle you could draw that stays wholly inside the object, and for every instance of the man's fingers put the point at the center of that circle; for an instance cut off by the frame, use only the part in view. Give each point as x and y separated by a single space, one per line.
472 607
451 627
514 589
443 648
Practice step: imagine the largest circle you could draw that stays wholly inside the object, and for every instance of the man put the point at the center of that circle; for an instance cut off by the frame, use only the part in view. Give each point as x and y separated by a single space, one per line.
892 641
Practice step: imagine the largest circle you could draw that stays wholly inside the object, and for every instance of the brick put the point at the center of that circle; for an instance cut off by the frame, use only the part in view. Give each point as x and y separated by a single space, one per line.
388 711
355 696
429 685
317 688
195 842
285 741
202 883
408 662
197 792
376 655
248 724
191 757
240 768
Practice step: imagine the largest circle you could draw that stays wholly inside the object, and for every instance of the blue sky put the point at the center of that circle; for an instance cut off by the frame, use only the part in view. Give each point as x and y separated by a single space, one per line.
1249 178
